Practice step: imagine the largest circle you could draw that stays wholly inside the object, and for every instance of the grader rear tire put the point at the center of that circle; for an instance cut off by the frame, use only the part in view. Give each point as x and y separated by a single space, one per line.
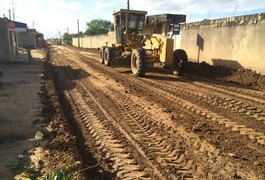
108 56
138 62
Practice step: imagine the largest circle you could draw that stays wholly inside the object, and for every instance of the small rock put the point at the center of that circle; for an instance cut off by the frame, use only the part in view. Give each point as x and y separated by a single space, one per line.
248 113
261 141
257 163
167 110
251 108
21 156
233 155
39 135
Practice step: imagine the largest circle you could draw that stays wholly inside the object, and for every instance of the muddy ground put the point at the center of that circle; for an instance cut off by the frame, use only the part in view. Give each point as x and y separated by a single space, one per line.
101 122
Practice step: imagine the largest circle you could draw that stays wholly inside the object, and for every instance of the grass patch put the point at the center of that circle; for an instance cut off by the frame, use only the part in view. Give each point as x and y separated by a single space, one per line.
63 173
59 174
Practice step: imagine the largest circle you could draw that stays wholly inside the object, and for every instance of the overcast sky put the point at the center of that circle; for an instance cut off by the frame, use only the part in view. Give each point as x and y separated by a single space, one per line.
52 16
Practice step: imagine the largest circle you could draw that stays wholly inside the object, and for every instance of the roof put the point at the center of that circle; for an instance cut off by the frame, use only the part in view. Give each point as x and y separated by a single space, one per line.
161 18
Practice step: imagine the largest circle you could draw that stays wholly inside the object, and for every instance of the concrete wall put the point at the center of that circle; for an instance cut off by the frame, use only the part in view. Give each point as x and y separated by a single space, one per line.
26 40
5 49
234 42
94 41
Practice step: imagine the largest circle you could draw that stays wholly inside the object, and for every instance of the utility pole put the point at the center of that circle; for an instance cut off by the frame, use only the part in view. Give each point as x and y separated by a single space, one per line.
78 33
33 25
13 9
9 12
59 34
128 4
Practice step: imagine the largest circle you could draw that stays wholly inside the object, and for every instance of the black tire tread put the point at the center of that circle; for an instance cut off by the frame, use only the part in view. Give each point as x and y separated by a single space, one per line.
140 55
108 55
101 54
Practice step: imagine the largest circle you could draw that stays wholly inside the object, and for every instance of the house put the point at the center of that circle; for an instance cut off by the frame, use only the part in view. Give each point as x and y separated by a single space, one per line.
8 38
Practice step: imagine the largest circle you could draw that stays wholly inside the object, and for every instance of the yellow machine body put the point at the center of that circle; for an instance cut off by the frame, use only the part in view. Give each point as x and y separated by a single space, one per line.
160 48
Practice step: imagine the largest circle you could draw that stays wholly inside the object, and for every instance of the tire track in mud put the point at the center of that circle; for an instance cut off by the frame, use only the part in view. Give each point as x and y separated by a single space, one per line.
184 104
107 142
183 165
259 137
257 97
165 159
222 103
187 158
228 123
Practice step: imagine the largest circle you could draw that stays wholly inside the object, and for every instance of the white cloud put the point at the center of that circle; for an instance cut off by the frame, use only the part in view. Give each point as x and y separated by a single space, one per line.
101 5
63 5
51 16
199 9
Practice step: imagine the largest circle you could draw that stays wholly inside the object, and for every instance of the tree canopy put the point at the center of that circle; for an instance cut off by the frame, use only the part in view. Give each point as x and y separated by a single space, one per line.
98 26
39 35
67 39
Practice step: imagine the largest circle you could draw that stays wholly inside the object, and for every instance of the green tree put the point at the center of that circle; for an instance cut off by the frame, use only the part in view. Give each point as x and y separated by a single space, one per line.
98 26
67 39
39 35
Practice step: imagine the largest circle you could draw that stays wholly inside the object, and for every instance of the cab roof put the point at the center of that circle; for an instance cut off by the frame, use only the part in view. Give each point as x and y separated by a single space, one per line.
128 11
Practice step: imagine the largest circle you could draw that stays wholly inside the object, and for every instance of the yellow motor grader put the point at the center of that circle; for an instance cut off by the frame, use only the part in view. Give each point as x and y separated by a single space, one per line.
143 49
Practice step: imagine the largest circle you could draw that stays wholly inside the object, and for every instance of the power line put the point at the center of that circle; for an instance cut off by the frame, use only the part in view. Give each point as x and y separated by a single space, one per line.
209 14
235 10
235 7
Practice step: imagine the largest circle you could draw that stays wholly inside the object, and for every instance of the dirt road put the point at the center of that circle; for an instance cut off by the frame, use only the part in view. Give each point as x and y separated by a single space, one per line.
161 126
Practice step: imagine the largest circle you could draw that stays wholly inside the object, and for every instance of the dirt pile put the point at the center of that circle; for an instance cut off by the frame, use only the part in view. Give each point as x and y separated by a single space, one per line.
246 77
241 76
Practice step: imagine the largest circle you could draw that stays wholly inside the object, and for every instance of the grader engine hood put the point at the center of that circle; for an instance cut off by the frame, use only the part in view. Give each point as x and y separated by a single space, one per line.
161 45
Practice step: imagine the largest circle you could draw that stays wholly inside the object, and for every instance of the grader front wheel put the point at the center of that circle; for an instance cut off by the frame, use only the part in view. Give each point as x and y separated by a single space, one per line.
101 54
138 62
108 56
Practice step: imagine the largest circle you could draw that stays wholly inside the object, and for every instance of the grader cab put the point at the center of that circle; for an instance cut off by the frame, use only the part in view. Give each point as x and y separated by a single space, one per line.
143 49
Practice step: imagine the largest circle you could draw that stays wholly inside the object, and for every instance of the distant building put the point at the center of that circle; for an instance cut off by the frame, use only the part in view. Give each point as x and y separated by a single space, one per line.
8 38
